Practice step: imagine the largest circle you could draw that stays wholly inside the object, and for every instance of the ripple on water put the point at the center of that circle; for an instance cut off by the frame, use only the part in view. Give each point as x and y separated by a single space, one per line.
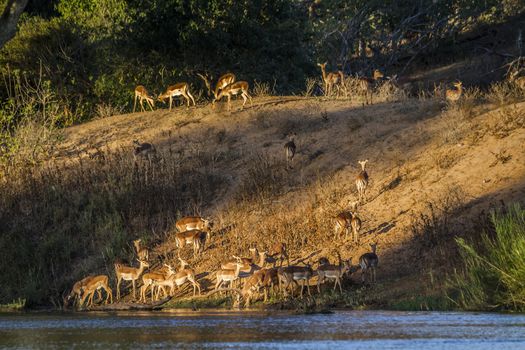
241 330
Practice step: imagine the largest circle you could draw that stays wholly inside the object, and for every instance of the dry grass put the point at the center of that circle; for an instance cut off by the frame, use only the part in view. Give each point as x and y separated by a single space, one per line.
230 167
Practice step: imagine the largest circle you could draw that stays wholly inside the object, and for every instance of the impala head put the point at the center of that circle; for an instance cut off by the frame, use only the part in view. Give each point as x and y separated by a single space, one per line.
373 246
143 263
291 135
254 250
170 269
378 74
458 84
322 65
162 97
136 143
208 224
363 163
137 241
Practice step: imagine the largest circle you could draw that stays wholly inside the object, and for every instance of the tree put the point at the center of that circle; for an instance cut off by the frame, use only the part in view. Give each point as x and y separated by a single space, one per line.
9 19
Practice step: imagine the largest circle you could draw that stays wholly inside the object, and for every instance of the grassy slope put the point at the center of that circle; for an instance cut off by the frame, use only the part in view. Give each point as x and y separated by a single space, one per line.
418 154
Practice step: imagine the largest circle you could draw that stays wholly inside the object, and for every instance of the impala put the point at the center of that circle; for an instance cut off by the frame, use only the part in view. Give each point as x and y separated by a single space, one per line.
356 226
291 274
193 223
453 95
366 85
127 273
76 291
227 275
182 276
335 272
289 148
141 94
361 181
150 279
143 150
279 252
342 221
252 285
518 81
142 253
223 81
330 79
369 261
195 237
180 89
93 285
239 87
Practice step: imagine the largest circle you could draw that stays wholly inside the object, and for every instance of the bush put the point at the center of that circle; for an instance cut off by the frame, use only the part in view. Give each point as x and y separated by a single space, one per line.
493 275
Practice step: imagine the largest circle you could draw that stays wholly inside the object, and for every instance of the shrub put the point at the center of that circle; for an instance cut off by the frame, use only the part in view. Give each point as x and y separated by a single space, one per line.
493 275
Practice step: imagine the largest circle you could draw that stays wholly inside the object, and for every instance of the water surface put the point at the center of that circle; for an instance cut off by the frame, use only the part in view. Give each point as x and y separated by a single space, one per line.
259 330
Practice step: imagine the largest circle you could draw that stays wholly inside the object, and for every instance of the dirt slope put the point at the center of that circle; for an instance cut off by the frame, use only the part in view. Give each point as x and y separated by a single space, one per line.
462 160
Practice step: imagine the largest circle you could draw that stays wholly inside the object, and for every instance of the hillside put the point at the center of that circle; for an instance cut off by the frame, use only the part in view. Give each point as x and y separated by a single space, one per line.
434 169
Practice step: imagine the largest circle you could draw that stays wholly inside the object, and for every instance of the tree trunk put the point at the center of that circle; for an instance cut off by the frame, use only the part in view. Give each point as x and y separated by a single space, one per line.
9 19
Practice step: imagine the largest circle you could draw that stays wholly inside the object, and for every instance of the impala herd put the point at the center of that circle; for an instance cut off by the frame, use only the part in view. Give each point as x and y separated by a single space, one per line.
245 275
227 86
250 274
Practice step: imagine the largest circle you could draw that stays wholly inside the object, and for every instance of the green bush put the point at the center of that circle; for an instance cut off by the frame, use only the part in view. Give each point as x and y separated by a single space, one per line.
493 276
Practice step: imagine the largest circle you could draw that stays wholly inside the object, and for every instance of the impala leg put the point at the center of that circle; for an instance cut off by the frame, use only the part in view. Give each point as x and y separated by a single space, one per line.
192 99
244 99
133 283
109 296
135 104
118 289
171 102
229 102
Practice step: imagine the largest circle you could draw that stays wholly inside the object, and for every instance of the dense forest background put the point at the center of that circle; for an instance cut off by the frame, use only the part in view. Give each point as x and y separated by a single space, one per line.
84 57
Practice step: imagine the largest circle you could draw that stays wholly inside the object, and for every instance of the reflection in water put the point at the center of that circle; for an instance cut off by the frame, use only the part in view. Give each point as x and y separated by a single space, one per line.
347 329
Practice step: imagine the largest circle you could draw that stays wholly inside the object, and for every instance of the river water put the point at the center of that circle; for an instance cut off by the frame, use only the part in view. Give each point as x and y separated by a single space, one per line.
260 330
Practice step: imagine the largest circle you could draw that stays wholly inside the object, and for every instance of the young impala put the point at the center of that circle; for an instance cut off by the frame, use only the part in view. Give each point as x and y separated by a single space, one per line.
330 79
127 273
142 253
193 223
180 89
92 286
361 181
142 95
239 87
